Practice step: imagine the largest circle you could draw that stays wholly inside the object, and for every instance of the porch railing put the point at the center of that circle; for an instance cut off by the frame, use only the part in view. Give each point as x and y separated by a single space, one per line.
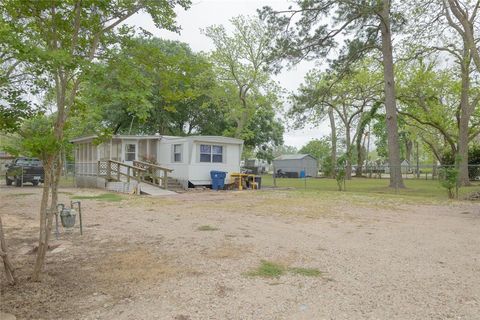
140 171
155 174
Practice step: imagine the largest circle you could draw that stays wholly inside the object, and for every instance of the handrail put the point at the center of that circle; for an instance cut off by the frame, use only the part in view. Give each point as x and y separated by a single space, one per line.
152 165
127 165
139 171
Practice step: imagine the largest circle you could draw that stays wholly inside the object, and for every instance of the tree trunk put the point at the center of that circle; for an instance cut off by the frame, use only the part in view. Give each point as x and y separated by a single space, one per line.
396 180
465 113
9 269
54 170
408 150
333 153
242 94
241 124
348 168
43 242
358 143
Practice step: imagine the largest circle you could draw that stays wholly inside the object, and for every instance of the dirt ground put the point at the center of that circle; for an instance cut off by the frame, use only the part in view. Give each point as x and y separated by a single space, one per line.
153 258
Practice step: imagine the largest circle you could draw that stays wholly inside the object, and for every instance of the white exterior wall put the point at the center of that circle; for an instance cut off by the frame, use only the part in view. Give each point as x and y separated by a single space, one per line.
165 158
200 171
190 168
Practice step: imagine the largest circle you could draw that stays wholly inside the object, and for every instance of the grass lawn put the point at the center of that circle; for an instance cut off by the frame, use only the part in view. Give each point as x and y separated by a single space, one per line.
109 197
427 189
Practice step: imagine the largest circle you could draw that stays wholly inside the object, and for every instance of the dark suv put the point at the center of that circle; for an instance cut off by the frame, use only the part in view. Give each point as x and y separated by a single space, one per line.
23 170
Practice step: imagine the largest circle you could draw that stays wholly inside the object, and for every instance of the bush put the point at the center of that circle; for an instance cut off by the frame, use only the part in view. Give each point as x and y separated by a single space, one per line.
473 161
448 180
327 166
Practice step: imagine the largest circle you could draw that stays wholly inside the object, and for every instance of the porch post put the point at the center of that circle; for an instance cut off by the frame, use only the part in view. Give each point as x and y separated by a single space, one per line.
137 146
148 156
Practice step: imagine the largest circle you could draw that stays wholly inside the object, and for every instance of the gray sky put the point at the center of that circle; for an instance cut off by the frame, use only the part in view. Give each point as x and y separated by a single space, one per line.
204 13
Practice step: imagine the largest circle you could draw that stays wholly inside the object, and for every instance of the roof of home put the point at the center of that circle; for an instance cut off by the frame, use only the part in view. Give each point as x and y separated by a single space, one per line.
142 137
293 157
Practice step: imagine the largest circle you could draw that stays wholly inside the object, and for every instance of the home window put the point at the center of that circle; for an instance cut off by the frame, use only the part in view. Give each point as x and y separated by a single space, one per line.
177 153
217 154
130 152
211 153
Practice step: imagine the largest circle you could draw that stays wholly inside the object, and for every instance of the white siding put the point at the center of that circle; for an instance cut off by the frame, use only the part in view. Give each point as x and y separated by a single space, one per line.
191 169
200 171
165 158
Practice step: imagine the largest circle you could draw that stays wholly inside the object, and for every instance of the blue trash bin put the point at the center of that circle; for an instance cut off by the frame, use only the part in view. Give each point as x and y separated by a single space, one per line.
218 179
302 174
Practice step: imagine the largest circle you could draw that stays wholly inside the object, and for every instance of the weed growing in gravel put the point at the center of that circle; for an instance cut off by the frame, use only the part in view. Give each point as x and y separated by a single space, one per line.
207 228
110 197
267 269
307 272
20 194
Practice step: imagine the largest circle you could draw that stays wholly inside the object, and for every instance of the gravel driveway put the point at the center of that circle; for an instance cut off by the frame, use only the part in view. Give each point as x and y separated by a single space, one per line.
189 256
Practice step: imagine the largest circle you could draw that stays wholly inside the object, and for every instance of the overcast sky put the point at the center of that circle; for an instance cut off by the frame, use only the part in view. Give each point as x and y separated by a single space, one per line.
208 12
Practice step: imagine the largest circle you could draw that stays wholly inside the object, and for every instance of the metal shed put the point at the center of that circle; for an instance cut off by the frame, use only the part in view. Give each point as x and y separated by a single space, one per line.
296 163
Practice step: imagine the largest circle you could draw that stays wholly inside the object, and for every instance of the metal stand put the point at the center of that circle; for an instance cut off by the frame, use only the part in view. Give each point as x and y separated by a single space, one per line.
79 205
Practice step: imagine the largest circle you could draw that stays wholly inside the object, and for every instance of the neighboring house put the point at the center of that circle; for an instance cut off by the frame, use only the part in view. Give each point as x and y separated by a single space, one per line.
258 166
295 164
405 167
191 158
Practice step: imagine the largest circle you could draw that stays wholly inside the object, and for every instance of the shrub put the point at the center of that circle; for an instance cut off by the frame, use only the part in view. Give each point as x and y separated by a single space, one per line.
448 180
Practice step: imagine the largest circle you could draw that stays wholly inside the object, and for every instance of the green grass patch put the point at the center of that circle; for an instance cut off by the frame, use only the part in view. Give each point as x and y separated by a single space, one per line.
109 197
307 272
21 194
207 228
416 189
267 269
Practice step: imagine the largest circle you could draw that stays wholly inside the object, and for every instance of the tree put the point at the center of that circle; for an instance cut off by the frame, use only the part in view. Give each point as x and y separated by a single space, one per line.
448 27
462 17
348 96
64 37
16 82
318 148
433 99
284 149
369 23
9 269
241 60
150 85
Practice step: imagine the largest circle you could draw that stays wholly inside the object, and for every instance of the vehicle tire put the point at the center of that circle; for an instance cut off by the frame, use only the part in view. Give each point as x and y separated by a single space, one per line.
18 182
8 181
35 183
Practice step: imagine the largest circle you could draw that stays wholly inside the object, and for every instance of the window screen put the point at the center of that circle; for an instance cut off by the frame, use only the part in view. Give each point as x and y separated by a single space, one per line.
205 153
130 152
177 153
211 153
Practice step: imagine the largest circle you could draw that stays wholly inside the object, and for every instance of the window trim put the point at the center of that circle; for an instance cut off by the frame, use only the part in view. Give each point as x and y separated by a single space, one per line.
180 146
211 154
134 152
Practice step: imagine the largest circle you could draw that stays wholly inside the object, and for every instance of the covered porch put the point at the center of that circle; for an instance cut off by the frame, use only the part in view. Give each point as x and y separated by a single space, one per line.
127 149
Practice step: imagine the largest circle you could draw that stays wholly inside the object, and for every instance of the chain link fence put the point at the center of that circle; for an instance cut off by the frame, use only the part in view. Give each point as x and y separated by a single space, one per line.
298 179
68 175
